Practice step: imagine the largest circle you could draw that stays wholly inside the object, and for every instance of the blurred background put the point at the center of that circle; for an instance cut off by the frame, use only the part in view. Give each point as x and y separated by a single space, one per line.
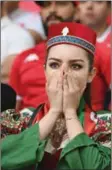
24 29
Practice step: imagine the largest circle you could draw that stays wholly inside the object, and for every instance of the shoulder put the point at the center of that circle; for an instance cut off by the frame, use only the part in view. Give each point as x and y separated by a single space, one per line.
17 31
26 15
36 53
21 57
41 46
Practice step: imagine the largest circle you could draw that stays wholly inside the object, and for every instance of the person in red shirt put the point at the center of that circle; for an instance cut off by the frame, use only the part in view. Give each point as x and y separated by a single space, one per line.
94 14
27 74
27 77
101 83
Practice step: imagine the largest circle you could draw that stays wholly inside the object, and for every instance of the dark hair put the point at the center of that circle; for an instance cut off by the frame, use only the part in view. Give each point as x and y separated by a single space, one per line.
8 97
87 92
91 60
109 2
1 3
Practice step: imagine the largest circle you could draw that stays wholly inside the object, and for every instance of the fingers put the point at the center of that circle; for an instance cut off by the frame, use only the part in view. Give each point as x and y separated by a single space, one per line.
55 82
74 83
60 82
79 83
51 84
65 84
70 82
81 86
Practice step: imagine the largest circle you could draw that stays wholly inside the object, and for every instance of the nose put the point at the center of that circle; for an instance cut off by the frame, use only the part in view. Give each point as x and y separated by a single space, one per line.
89 4
64 68
53 7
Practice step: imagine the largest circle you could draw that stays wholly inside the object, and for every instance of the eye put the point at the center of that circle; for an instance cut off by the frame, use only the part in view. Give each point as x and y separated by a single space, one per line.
76 66
54 65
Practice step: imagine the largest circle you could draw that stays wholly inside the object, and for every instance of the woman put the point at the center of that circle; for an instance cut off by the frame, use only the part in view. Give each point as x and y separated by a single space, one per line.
59 139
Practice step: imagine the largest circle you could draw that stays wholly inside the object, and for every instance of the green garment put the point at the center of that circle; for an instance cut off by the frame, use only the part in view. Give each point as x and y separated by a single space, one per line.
26 149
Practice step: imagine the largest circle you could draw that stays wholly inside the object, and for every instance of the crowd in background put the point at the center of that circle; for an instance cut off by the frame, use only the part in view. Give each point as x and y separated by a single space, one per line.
24 28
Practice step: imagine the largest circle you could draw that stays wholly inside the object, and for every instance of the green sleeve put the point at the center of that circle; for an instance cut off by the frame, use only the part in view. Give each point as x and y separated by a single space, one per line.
83 153
21 150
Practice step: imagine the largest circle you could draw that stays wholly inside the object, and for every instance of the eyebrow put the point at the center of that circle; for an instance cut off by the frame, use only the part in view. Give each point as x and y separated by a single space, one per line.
74 60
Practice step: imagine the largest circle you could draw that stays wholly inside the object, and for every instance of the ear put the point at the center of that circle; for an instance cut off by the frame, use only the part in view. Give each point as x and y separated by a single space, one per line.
92 74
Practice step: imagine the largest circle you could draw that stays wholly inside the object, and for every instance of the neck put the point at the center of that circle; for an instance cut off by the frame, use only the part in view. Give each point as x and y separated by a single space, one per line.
100 30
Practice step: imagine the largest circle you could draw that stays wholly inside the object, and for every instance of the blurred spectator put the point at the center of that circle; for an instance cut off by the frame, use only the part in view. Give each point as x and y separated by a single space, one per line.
27 76
29 20
94 14
101 83
14 40
8 97
54 12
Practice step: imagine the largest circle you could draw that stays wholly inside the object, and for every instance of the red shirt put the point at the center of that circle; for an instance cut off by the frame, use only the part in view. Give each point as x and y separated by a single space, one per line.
27 76
101 82
104 42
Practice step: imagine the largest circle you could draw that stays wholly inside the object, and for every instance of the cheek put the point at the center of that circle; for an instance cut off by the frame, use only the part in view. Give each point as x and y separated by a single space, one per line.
50 72
64 12
100 12
82 77
82 11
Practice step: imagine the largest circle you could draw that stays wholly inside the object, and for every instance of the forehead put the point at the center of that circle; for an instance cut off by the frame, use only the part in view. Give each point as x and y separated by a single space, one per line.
67 52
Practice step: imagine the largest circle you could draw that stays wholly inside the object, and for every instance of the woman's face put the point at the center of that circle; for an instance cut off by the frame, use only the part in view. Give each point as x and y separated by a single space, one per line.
69 59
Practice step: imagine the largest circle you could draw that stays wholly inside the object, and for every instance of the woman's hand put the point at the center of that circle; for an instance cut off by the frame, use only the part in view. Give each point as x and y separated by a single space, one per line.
55 93
72 94
73 90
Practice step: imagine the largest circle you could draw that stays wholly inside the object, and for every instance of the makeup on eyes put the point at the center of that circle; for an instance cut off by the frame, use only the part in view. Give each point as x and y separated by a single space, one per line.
71 65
